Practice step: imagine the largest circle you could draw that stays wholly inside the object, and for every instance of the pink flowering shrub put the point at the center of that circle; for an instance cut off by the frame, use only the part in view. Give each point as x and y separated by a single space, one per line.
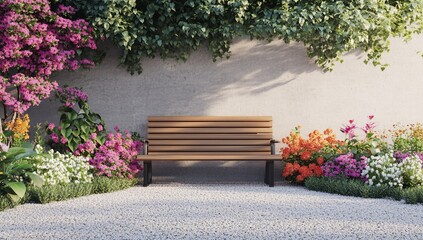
35 41
80 131
70 95
345 165
368 145
117 156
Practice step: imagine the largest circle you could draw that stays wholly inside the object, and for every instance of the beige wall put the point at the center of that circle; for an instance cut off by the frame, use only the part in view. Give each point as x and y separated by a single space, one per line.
259 79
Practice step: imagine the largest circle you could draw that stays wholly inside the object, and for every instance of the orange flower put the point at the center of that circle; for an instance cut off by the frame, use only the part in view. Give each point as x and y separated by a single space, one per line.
296 166
318 172
299 178
305 155
288 170
286 153
328 131
320 161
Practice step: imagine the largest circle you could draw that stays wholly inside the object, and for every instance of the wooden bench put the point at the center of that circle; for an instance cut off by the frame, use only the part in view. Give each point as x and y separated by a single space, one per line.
209 138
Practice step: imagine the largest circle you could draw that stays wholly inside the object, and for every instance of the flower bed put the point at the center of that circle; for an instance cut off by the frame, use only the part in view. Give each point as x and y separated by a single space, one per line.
78 157
385 164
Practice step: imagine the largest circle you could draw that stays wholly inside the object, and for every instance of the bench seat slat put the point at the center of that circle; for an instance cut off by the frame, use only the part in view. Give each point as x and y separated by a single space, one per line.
209 124
209 118
209 148
209 142
210 153
200 157
152 136
209 130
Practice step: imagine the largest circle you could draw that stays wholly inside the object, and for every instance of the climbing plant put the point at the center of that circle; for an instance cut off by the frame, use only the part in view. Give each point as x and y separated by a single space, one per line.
328 28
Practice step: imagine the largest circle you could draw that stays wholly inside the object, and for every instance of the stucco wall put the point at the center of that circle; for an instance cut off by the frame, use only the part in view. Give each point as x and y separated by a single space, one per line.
259 79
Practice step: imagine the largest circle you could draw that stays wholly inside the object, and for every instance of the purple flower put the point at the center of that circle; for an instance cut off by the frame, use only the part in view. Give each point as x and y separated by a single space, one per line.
345 165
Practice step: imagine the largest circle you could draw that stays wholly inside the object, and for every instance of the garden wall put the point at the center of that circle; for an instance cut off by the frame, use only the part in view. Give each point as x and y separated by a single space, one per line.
259 79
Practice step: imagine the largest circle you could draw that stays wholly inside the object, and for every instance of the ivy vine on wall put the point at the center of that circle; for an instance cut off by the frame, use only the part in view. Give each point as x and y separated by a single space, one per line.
328 28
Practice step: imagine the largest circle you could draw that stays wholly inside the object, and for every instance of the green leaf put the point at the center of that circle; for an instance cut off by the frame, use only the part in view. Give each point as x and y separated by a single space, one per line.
68 132
36 179
65 124
14 151
18 167
63 132
18 188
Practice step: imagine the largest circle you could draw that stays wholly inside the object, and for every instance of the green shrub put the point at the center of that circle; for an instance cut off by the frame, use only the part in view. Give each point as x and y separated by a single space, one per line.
413 195
60 192
5 203
16 172
357 188
105 184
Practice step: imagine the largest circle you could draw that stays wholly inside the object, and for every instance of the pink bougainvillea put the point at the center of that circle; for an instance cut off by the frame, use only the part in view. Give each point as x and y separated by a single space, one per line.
117 156
35 41
71 95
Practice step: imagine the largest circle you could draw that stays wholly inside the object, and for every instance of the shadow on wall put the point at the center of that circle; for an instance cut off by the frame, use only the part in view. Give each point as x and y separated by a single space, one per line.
240 85
190 88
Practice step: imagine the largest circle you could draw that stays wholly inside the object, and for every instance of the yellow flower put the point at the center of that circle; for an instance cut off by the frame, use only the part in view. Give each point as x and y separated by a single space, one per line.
19 127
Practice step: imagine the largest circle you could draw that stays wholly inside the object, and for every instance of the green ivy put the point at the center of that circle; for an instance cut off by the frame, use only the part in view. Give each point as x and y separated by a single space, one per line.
328 28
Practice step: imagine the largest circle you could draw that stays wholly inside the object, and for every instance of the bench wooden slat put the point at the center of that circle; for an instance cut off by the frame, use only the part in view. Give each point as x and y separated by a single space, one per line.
200 157
209 124
209 153
153 136
209 118
209 142
209 130
209 148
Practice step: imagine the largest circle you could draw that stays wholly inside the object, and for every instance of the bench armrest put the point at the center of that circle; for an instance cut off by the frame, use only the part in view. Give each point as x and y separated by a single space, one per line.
272 146
144 147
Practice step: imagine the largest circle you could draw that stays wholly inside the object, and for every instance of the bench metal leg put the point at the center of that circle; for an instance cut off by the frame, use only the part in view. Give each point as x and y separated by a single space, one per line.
269 178
146 173
150 172
271 174
266 173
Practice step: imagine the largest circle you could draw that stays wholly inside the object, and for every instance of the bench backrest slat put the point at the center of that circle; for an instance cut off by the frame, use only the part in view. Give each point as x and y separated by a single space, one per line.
209 134
211 142
209 119
210 124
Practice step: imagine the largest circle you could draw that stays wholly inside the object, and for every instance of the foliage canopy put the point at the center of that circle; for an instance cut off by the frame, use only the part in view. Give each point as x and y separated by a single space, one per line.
328 28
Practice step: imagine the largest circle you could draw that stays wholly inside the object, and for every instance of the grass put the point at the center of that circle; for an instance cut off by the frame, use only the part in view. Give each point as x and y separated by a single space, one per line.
357 188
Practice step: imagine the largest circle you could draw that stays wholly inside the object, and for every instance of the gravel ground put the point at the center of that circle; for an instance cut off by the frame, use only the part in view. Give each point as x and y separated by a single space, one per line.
228 211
